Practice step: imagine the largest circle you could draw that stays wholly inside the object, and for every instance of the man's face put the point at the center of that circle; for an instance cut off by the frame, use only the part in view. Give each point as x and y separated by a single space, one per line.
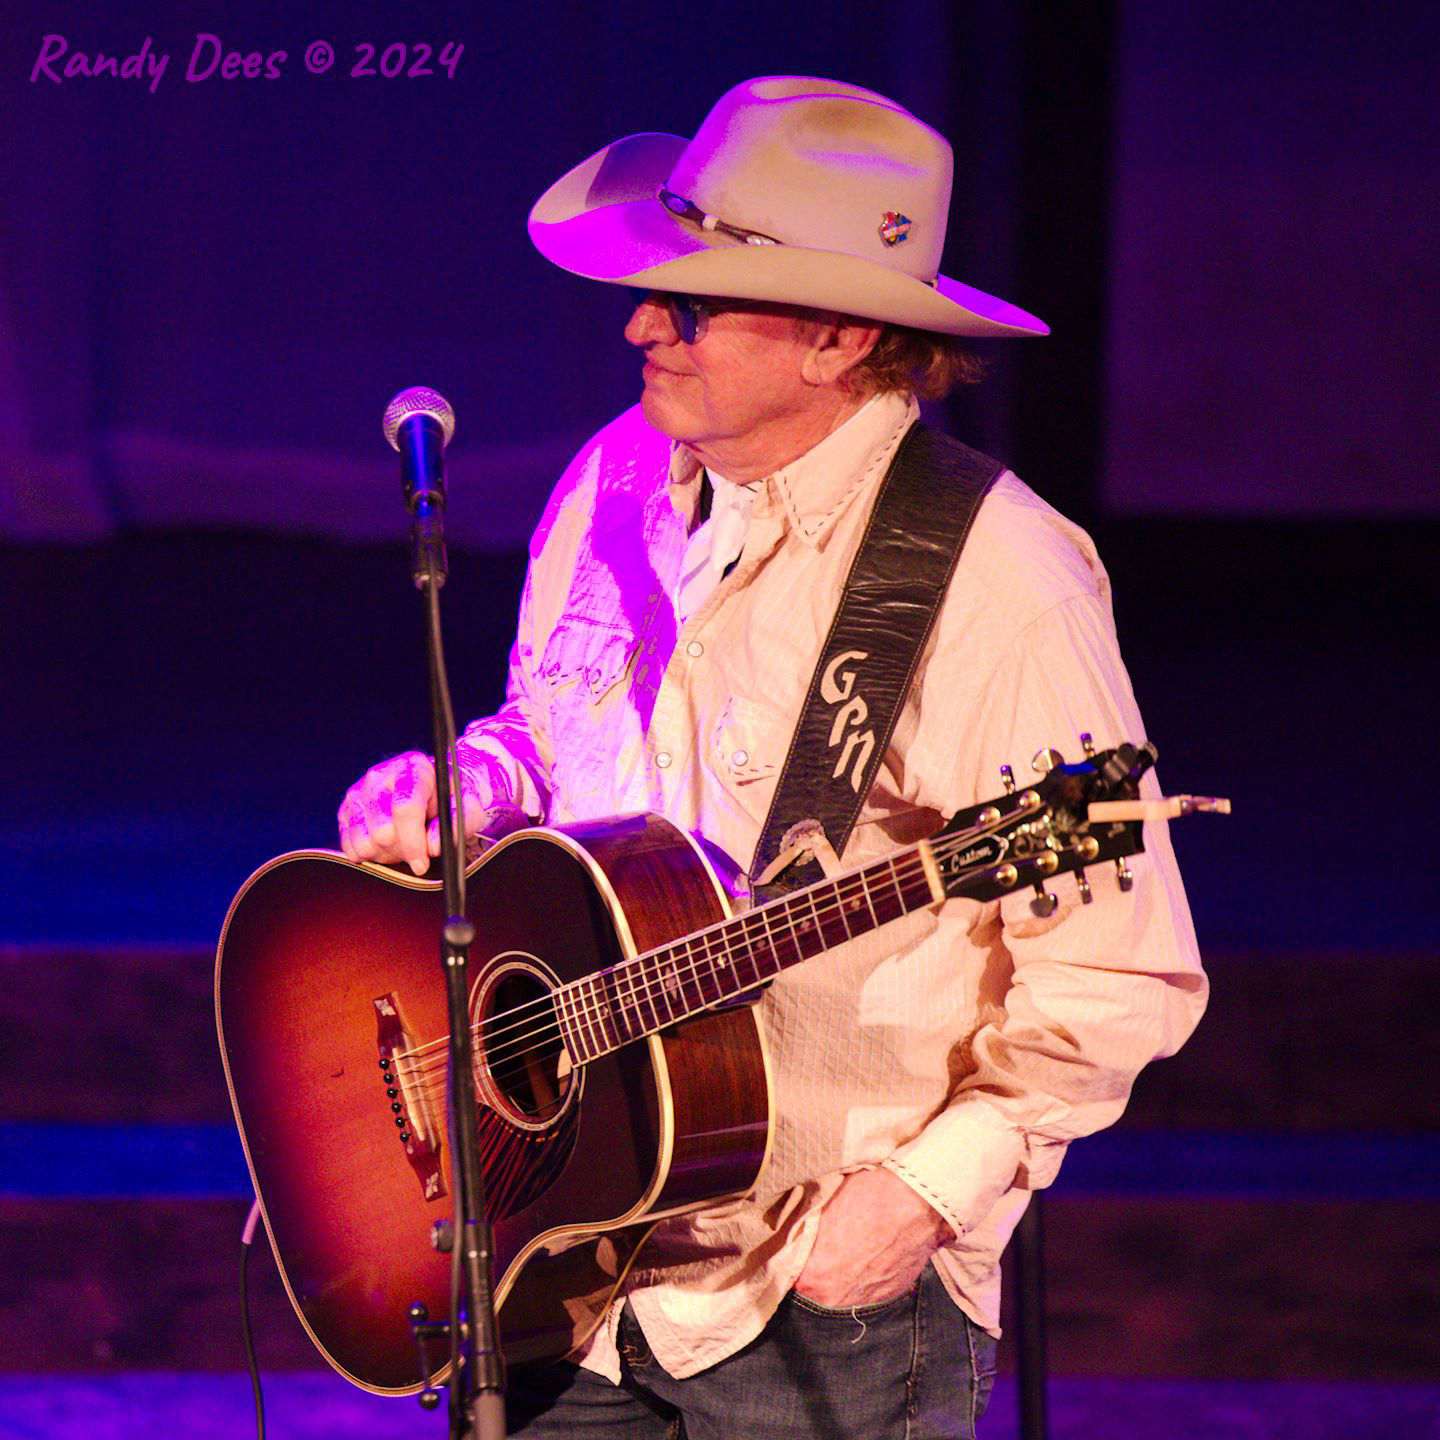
739 383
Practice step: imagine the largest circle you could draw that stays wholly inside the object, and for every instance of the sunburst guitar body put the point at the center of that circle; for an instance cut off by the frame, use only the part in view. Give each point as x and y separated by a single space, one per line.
330 1003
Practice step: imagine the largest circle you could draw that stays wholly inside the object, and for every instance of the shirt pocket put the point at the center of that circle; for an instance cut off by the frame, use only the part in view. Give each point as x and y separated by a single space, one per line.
584 664
748 743
586 659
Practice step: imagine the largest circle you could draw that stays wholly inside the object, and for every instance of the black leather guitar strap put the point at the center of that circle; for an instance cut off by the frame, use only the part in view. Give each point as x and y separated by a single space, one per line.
897 582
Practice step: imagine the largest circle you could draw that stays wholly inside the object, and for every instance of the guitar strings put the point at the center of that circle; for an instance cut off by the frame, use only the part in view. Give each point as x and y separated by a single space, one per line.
704 947
706 944
600 1009
547 1039
713 960
596 1009
645 984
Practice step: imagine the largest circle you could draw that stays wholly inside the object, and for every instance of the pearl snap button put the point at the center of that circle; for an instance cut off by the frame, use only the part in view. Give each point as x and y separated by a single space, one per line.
740 757
695 649
662 760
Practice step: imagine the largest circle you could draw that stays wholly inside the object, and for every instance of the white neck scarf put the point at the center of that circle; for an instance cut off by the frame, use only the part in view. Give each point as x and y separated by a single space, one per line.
715 544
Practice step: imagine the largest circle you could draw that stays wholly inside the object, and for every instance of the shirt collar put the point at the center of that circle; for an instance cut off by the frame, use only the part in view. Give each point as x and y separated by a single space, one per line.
817 487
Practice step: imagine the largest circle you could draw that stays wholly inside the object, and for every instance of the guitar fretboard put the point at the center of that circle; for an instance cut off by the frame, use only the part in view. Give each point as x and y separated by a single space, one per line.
614 1007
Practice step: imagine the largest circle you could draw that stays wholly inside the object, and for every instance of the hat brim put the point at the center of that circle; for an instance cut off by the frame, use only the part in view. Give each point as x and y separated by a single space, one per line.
601 220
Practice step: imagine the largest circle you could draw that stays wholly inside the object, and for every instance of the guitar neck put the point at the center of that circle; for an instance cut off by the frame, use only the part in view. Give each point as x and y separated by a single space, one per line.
614 1007
1023 837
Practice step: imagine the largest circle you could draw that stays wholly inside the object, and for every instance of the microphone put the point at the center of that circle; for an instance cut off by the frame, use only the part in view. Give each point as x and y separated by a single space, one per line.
419 423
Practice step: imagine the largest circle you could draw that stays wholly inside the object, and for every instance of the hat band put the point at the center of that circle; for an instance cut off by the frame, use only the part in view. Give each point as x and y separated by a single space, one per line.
685 209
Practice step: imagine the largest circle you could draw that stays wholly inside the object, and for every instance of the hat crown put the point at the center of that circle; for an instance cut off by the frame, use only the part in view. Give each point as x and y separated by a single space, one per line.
826 166
854 188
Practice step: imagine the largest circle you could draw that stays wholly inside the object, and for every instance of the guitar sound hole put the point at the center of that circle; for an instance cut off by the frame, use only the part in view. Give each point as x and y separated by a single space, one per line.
523 1054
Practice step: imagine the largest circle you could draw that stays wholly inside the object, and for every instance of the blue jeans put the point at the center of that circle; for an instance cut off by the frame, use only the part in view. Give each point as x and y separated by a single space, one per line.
915 1368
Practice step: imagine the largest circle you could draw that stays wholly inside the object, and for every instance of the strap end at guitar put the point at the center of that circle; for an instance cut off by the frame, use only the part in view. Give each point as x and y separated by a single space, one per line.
804 844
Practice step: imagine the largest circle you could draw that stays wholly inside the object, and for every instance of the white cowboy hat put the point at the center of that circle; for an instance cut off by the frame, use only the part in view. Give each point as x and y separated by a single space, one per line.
803 191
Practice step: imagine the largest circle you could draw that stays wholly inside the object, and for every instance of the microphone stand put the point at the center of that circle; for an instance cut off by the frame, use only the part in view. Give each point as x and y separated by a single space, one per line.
477 1374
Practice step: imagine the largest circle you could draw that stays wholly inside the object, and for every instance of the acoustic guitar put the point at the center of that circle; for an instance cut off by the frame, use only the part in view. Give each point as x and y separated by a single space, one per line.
620 1071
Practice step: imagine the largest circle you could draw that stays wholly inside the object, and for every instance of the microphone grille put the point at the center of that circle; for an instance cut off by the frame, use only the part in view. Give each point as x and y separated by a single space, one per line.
418 400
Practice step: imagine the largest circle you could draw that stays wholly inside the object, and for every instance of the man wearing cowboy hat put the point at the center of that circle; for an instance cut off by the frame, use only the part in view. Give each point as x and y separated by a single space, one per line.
927 1076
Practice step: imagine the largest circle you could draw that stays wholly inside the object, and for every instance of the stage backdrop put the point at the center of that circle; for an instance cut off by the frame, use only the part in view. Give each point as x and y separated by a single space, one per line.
1275 276
209 286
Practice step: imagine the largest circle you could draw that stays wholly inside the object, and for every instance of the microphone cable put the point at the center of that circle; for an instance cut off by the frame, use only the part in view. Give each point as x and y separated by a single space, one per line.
246 1237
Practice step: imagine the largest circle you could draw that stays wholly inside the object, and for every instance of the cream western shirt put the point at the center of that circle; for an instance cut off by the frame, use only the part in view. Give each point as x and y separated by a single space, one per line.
963 1047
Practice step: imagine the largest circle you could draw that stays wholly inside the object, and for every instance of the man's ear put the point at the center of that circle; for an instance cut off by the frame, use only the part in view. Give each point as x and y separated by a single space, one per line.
839 344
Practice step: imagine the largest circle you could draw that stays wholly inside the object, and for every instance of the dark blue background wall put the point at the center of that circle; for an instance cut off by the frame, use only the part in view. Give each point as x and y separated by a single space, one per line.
207 294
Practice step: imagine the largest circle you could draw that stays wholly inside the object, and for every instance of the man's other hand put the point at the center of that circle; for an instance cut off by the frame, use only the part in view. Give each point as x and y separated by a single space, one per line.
388 815
875 1236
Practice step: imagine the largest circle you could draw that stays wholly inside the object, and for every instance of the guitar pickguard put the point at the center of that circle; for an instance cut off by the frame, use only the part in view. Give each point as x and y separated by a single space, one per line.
521 1165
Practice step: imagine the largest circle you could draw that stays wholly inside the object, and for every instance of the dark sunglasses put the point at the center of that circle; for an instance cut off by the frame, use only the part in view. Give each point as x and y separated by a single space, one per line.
690 314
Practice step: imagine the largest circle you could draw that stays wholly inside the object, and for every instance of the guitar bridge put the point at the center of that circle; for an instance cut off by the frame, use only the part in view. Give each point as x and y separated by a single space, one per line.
409 1080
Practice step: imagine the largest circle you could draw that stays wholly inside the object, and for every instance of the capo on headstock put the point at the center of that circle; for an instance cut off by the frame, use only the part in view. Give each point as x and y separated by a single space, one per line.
1167 807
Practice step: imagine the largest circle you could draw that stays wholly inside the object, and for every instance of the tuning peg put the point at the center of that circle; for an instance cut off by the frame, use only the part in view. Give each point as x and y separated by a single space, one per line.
1046 760
1088 744
1124 875
1083 885
1044 904
1007 778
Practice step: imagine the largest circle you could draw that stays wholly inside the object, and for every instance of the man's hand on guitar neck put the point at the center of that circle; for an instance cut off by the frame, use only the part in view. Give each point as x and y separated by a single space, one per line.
876 1235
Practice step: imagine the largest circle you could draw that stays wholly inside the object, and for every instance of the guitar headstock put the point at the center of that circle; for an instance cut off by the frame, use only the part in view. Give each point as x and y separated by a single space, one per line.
1027 836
